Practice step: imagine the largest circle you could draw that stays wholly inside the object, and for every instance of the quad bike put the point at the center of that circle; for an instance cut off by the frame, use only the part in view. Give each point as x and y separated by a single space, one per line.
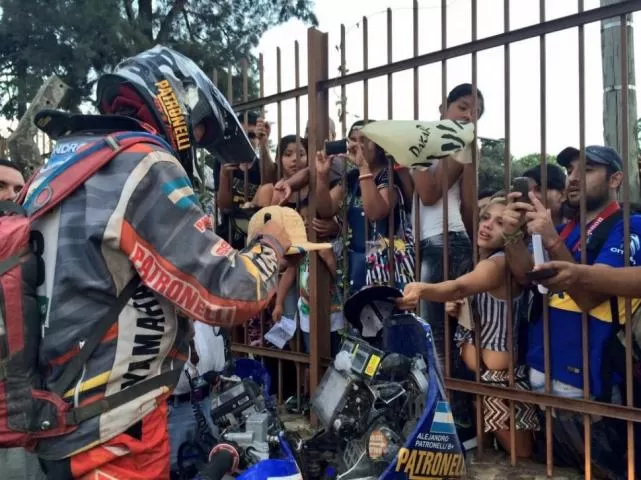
381 404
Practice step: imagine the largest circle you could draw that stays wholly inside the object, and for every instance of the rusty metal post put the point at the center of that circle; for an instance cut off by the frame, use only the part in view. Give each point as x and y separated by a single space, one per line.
475 221
319 277
392 182
279 109
627 196
416 200
587 422
447 354
549 453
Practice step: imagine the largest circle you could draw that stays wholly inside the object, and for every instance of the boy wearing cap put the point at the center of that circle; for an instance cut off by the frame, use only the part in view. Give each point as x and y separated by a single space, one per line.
603 177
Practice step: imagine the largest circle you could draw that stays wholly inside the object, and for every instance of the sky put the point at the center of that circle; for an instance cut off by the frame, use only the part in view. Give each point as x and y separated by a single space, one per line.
562 122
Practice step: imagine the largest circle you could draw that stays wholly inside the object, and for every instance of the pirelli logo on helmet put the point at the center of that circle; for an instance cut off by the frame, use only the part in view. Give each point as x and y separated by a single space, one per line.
168 101
179 292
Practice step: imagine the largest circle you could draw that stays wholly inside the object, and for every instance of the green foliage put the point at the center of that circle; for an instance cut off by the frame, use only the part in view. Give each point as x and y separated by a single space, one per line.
80 39
520 165
492 164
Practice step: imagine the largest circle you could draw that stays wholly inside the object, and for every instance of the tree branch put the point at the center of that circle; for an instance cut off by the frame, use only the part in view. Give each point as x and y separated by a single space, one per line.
129 9
145 18
167 22
192 37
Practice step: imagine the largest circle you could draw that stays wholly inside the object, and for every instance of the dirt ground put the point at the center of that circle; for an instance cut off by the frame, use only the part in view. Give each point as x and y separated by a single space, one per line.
493 466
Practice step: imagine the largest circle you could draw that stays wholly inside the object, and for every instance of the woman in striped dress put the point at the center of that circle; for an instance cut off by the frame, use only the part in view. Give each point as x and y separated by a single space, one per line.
489 296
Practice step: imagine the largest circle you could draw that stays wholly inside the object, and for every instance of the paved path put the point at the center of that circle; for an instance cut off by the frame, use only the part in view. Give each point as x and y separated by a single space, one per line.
16 464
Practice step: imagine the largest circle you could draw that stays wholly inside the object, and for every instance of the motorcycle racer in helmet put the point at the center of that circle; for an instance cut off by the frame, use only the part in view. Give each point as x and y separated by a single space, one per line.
138 216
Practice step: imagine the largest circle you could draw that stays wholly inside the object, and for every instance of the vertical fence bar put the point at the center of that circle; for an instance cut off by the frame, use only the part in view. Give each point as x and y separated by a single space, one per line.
343 211
415 37
318 275
243 66
214 79
416 199
583 219
343 72
390 166
297 340
230 98
390 59
477 328
623 58
508 273
475 159
365 99
549 454
444 194
297 84
365 67
280 381
230 85
245 78
279 108
266 173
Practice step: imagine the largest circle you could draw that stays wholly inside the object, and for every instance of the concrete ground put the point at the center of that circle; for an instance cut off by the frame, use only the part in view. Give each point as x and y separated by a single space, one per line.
492 466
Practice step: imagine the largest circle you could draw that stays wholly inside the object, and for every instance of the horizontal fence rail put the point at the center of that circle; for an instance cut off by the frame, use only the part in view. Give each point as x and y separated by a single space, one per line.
475 46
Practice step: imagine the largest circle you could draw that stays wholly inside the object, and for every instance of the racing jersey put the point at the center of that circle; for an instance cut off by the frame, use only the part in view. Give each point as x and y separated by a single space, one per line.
138 214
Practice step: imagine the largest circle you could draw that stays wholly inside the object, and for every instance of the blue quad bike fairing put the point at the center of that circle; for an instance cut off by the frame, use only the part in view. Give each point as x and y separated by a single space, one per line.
284 468
433 449
272 469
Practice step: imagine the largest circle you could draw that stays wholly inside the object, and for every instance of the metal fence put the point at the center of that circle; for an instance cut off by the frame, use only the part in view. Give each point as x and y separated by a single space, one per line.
317 97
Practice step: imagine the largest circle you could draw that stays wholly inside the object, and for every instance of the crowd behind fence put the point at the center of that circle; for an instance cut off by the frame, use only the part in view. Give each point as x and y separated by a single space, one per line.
306 353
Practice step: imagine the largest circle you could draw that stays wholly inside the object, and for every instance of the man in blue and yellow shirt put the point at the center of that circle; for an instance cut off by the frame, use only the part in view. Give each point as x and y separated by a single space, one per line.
603 177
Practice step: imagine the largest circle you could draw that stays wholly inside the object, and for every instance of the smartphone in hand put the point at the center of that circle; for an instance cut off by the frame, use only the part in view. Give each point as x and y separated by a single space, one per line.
338 147
522 185
539 275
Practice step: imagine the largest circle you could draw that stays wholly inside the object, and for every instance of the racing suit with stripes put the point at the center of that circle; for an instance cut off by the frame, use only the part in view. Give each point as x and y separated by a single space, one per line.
138 215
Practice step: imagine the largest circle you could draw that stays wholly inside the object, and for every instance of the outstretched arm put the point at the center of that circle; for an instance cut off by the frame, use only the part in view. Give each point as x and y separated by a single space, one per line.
170 242
488 275
224 194
623 282
287 279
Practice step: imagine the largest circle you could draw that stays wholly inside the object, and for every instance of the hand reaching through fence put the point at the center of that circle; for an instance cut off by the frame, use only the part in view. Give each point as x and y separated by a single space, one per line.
325 228
263 129
282 192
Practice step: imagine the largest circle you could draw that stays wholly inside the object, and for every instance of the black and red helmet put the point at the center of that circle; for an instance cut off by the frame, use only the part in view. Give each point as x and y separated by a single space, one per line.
168 91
